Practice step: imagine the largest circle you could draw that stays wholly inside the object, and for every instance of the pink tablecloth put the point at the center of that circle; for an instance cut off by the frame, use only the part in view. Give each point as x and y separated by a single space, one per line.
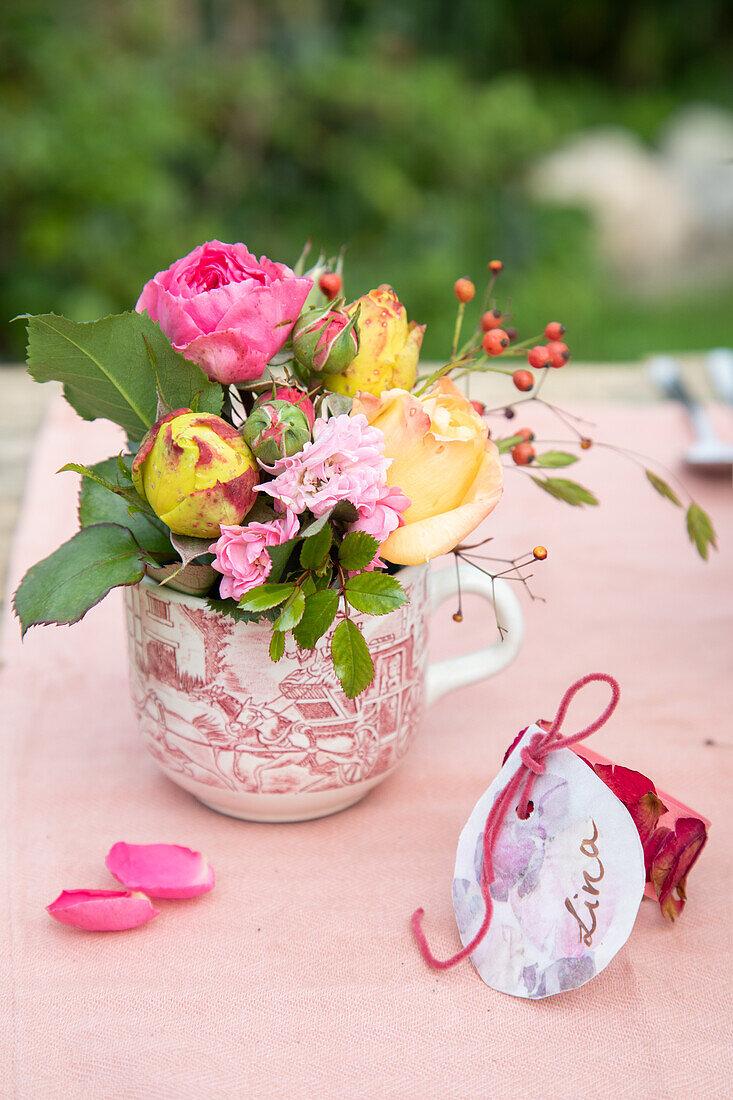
297 976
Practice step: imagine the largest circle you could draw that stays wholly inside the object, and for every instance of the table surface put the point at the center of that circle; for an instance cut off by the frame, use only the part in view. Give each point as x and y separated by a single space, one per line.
297 976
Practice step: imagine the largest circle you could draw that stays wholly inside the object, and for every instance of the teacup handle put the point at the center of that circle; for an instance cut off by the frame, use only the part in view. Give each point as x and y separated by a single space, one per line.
457 672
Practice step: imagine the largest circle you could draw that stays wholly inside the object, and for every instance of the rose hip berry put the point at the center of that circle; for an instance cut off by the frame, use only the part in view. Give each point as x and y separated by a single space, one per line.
554 330
523 380
495 341
537 357
478 407
526 435
540 553
490 319
558 353
464 290
523 454
330 284
495 266
586 443
511 333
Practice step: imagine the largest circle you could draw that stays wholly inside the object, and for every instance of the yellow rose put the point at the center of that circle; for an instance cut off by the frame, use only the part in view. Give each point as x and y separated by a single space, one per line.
443 460
196 472
388 347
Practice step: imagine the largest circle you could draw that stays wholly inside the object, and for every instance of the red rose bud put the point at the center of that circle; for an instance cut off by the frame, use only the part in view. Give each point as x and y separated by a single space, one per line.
326 340
296 397
275 429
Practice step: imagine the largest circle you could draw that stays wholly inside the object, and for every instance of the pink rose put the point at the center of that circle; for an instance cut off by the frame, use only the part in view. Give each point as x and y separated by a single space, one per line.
241 553
223 309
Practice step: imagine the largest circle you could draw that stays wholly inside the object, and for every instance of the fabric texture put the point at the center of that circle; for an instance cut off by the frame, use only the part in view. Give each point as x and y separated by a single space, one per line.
298 976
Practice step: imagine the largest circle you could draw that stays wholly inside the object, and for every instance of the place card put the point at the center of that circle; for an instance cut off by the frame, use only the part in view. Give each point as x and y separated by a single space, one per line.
567 880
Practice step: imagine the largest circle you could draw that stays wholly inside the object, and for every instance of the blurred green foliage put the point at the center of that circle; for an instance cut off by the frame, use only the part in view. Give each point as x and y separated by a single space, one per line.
131 132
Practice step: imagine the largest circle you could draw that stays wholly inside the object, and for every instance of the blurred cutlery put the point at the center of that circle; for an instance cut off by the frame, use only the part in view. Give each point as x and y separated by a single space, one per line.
708 451
719 364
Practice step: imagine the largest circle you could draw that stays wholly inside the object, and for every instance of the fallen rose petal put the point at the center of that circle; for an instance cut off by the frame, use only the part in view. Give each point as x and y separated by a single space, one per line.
673 862
638 794
161 870
102 910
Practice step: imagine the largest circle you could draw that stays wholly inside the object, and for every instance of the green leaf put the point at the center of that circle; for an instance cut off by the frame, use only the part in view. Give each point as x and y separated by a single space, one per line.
62 587
106 370
374 593
553 459
317 524
280 556
701 530
344 512
504 445
320 611
97 504
292 612
277 645
265 596
230 609
357 550
663 488
314 550
569 491
352 661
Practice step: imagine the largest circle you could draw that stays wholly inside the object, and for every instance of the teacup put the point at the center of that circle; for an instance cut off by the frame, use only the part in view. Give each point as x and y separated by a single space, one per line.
281 742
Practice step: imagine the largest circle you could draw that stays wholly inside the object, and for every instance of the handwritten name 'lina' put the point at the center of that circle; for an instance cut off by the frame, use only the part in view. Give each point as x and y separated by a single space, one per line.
587 922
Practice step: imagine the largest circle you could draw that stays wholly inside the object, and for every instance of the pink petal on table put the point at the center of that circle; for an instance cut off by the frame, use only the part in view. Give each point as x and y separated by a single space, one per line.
161 870
102 910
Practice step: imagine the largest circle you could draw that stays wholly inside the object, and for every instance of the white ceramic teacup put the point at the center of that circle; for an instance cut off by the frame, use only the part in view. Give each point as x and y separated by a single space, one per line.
281 742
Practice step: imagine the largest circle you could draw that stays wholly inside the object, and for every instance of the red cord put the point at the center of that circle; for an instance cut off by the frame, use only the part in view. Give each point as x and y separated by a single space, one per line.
533 758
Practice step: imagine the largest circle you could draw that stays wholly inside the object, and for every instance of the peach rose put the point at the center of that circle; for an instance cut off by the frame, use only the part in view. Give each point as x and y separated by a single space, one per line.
443 460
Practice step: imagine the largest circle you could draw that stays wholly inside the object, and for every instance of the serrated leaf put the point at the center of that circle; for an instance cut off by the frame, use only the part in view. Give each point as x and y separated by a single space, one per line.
277 645
265 596
554 459
662 487
568 491
106 370
375 593
280 556
314 551
344 512
357 550
701 530
230 609
62 587
98 505
320 611
504 445
292 612
352 660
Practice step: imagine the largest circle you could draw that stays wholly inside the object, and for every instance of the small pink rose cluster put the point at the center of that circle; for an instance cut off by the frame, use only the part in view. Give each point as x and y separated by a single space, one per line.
344 462
146 870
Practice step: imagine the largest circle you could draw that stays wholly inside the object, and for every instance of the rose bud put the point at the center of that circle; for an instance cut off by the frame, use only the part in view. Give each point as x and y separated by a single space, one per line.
196 472
296 397
325 340
388 346
275 430
442 460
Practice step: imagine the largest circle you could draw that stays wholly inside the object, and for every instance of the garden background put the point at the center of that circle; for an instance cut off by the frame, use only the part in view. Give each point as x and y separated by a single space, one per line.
588 144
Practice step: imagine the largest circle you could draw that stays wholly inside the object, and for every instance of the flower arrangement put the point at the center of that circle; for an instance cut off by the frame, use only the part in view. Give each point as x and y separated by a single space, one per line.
284 457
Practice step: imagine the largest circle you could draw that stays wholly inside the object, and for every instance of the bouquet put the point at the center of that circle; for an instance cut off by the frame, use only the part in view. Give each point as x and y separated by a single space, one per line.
284 455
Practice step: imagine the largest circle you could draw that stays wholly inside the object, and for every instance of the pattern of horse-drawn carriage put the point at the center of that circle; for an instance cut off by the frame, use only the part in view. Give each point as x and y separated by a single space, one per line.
214 708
